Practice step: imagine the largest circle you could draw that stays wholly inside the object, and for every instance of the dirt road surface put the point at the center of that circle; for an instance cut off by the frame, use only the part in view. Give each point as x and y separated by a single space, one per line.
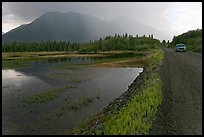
181 109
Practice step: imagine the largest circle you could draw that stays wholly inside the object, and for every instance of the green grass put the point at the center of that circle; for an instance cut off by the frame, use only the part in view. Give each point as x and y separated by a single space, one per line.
195 48
137 117
46 96
156 59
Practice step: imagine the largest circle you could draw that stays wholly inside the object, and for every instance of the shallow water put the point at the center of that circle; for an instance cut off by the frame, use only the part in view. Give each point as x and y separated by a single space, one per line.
41 118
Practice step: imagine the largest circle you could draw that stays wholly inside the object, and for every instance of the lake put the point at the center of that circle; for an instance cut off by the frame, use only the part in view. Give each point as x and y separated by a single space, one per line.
48 99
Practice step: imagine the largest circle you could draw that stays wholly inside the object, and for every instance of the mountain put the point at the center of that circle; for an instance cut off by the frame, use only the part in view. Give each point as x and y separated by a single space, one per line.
134 27
75 27
71 26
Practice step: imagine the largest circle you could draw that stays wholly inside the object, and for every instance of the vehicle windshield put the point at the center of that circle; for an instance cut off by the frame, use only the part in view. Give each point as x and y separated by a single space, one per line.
180 45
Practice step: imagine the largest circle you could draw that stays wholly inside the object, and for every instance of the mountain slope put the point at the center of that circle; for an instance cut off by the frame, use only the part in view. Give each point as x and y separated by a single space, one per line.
134 27
70 26
75 27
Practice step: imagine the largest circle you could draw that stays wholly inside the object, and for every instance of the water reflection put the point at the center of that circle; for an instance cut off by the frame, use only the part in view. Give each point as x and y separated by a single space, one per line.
11 73
43 65
74 60
11 78
108 83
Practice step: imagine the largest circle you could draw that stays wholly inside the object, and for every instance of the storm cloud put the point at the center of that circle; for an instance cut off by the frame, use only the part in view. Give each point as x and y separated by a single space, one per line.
172 18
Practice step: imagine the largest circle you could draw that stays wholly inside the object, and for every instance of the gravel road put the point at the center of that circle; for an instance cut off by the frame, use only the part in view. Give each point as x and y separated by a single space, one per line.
181 109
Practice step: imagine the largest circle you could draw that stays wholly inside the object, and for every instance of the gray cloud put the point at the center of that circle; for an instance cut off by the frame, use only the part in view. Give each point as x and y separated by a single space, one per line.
148 13
136 10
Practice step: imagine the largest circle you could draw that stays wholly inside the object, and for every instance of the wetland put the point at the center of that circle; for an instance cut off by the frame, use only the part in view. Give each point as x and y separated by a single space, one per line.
52 95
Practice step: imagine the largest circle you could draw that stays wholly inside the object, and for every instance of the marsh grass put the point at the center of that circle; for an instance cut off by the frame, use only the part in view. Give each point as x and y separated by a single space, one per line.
10 64
65 76
76 106
75 80
10 130
46 119
58 75
81 103
46 96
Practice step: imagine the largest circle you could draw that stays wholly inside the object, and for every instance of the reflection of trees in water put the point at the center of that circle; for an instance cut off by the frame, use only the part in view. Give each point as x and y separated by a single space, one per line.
69 60
43 65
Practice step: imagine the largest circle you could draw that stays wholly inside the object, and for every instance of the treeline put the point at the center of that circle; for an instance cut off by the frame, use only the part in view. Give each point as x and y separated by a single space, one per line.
117 42
192 39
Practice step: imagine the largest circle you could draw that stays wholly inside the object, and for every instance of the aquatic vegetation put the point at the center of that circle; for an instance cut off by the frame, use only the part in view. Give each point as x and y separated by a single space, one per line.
68 66
14 127
57 75
46 118
97 95
66 76
81 103
63 110
76 106
46 96
75 80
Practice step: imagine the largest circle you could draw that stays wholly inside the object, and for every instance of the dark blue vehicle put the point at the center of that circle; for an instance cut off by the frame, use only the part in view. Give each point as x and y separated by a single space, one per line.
180 48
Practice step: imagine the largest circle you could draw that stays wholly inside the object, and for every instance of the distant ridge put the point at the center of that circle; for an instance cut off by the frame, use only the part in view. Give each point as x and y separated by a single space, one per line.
73 27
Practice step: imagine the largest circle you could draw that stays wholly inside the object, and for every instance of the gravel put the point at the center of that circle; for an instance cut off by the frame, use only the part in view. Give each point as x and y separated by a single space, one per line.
181 109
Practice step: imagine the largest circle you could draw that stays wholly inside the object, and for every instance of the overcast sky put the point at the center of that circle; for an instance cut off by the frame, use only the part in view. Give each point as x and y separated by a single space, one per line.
172 18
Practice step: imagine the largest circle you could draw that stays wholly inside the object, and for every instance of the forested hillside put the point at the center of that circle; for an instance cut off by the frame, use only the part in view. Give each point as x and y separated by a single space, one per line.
192 39
117 42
